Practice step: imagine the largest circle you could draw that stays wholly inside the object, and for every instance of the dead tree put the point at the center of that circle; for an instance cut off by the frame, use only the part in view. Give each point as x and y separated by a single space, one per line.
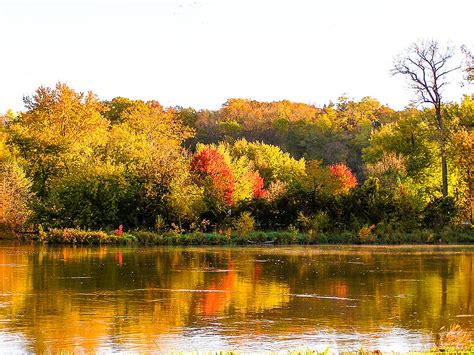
469 64
426 65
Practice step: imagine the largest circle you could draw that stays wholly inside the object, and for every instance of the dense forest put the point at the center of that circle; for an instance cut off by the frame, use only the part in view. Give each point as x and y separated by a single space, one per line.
72 160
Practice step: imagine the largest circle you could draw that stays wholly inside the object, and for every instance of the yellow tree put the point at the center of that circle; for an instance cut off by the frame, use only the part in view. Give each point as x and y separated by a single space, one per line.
147 140
60 129
15 193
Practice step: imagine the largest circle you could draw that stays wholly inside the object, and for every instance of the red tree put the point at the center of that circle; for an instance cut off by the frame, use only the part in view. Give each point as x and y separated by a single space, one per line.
209 162
344 175
257 185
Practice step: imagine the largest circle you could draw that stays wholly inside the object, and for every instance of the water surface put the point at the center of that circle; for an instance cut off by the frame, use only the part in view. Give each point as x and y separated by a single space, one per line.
209 298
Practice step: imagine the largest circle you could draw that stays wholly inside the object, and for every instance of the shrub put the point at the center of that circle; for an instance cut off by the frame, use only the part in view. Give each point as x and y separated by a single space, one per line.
365 234
145 237
440 212
42 236
293 233
244 224
160 223
315 223
79 236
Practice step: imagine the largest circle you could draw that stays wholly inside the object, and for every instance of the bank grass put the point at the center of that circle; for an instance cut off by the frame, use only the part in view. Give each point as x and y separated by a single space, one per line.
231 237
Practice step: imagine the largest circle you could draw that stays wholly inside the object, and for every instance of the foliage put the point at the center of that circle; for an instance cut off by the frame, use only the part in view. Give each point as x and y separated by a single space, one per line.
343 175
389 170
440 212
159 223
184 200
78 236
271 162
316 223
365 234
210 167
59 130
258 186
15 197
331 171
92 198
244 224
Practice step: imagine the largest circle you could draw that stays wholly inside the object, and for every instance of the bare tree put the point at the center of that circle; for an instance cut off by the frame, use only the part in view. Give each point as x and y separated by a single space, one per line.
426 64
469 64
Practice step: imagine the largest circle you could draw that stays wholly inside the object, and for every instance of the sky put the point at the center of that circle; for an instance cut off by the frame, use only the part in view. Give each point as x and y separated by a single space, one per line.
200 53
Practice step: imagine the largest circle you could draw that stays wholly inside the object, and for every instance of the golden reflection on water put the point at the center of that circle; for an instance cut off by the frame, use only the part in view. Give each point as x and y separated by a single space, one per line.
101 299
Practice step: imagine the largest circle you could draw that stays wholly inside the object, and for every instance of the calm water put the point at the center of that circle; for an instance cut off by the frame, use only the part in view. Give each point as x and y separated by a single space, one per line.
161 299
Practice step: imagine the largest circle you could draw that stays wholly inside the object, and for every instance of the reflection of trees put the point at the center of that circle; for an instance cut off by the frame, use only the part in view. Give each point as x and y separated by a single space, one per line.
65 298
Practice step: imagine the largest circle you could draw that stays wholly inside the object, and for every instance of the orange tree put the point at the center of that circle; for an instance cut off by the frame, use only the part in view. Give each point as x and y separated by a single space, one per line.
211 171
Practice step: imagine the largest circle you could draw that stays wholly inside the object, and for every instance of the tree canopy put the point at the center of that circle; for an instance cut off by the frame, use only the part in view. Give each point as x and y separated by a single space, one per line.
72 160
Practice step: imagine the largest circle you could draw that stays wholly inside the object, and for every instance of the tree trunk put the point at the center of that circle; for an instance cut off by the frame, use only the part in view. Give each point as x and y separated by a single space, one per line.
444 164
444 171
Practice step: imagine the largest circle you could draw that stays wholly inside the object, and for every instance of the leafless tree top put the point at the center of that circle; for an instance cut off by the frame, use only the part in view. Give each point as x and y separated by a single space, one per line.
426 64
469 66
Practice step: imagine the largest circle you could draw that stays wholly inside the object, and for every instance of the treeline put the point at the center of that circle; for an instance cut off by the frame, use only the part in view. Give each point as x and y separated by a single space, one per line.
72 160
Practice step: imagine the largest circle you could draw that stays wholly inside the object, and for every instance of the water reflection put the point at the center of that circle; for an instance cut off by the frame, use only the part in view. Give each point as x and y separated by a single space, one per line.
102 299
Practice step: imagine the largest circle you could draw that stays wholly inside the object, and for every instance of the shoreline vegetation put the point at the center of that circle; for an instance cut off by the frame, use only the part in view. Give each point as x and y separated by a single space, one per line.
328 351
74 236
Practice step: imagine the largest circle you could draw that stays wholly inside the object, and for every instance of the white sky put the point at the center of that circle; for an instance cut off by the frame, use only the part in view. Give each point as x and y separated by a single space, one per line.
201 52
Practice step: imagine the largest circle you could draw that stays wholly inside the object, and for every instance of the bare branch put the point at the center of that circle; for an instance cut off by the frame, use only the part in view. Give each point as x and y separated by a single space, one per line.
425 64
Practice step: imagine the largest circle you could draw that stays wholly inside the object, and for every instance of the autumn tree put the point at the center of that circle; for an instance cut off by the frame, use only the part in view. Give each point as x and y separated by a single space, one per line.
427 65
146 139
258 185
60 129
271 162
331 180
249 183
212 171
343 175
15 195
15 190
184 199
409 137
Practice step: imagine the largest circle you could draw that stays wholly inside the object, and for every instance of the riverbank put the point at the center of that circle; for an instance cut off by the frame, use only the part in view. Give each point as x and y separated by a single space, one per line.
328 351
228 237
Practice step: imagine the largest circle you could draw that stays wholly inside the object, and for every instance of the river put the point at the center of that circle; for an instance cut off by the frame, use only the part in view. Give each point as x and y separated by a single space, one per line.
105 299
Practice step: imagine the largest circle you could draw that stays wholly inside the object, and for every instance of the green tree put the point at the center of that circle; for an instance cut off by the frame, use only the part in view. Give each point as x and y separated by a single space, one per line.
409 138
94 196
